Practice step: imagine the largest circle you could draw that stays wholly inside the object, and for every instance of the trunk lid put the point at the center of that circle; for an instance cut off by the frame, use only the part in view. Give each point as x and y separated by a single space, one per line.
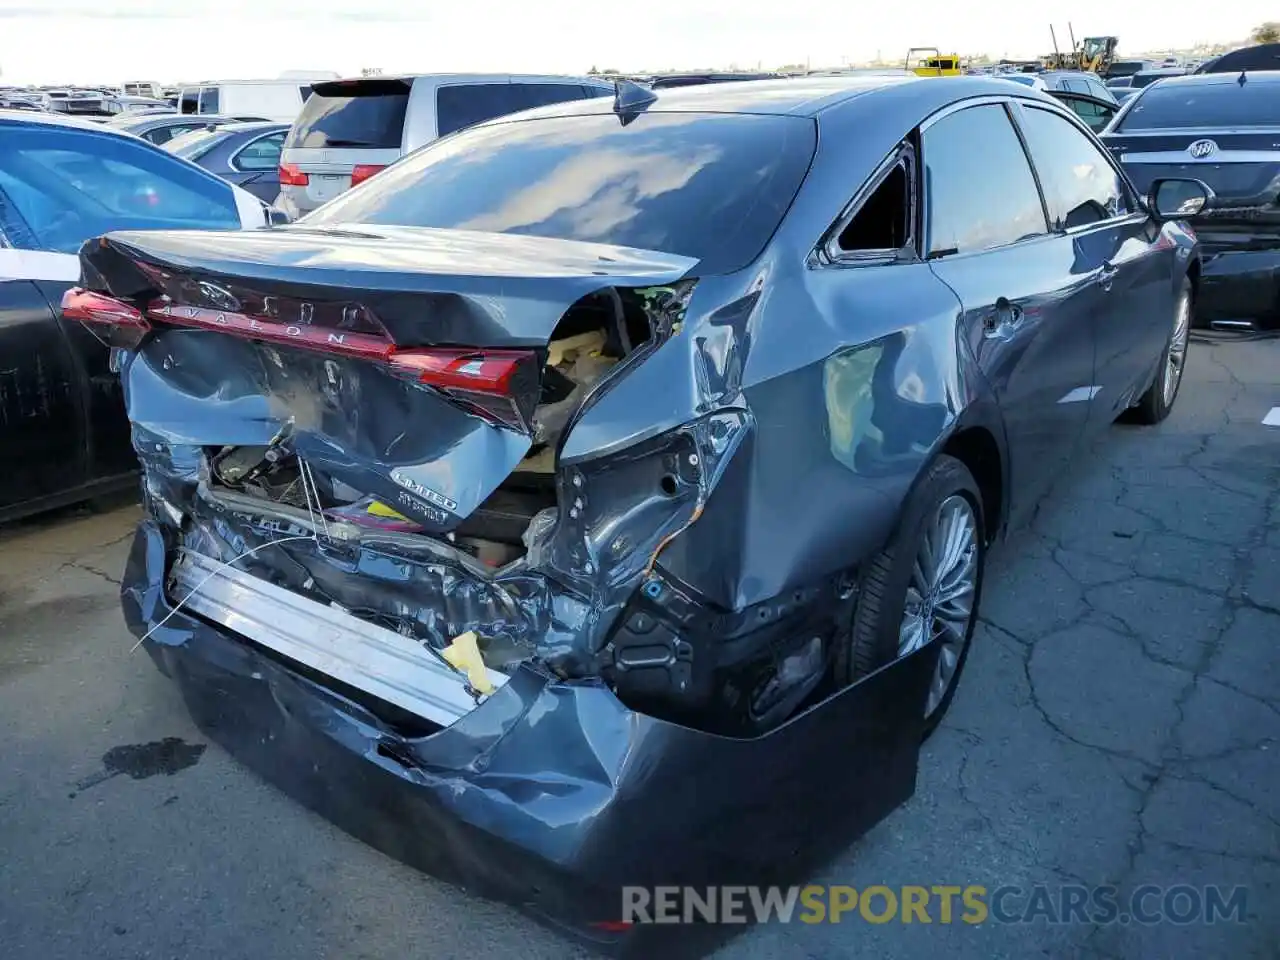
402 364
1242 168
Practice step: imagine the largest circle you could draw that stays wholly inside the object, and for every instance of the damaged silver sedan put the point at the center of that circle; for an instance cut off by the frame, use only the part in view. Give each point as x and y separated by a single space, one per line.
601 495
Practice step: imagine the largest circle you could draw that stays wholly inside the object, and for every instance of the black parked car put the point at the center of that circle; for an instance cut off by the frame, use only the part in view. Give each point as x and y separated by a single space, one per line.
1223 129
246 154
63 431
603 494
669 80
161 128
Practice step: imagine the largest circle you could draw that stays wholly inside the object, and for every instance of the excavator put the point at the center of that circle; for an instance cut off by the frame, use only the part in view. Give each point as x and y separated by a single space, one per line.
1093 54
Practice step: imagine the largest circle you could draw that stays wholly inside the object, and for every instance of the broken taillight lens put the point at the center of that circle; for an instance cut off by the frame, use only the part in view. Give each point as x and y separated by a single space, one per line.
117 323
499 385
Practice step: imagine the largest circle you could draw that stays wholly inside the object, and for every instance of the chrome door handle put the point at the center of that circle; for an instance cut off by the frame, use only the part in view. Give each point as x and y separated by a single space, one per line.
1107 275
1003 320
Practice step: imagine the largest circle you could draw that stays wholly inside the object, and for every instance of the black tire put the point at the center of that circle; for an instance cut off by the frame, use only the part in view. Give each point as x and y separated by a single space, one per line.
873 637
1154 405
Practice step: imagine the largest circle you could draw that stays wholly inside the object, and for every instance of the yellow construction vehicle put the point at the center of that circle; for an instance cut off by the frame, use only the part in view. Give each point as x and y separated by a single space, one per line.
1094 54
938 65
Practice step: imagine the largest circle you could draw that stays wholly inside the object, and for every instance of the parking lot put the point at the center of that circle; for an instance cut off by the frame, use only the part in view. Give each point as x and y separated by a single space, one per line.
1117 724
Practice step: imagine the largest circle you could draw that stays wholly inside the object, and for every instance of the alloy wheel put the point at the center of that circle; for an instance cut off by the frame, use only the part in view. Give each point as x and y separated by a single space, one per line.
940 596
1176 357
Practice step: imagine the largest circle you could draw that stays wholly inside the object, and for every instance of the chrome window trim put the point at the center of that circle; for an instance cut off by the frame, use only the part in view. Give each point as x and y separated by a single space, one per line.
1222 156
1139 213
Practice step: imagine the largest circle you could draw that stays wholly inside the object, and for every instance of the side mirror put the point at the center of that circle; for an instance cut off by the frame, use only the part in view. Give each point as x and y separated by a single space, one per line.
1172 198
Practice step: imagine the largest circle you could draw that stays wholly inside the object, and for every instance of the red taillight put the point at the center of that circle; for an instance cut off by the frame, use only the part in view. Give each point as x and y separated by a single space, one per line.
98 308
363 171
291 176
489 371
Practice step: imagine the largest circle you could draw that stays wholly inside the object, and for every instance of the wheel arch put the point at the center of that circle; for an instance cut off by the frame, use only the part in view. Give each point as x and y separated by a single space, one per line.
978 443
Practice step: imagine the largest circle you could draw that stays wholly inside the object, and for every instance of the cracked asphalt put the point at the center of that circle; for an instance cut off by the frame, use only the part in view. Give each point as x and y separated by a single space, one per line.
1118 724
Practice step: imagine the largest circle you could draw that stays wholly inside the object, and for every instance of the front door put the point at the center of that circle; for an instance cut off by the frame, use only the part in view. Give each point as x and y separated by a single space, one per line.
1115 244
1025 299
41 432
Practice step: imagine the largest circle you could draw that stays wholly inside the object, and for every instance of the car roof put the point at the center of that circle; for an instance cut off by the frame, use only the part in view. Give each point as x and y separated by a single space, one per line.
28 118
804 97
1268 77
467 77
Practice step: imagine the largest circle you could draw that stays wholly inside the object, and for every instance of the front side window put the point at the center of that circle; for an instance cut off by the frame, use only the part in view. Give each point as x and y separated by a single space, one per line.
60 188
1080 184
262 154
979 189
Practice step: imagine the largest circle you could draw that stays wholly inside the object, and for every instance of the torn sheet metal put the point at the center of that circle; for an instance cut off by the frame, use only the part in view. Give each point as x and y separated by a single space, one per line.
551 795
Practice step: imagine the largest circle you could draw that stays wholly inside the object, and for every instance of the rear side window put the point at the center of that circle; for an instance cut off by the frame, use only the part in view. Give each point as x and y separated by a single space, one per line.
261 154
543 94
304 91
59 189
189 101
1080 185
713 187
1204 105
978 199
209 100
464 105
352 113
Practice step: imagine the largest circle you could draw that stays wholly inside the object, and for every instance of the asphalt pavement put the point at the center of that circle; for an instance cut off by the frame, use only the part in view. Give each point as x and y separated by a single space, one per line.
1118 724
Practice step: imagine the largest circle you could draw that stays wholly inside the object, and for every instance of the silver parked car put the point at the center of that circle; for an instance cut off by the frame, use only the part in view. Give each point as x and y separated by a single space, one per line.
351 129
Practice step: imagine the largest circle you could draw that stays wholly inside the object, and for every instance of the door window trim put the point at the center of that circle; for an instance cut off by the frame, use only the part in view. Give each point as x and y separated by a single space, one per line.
1008 104
234 161
1137 215
828 251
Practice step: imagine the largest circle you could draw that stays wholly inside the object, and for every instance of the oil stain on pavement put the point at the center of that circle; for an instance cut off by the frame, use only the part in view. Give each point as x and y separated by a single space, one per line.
138 761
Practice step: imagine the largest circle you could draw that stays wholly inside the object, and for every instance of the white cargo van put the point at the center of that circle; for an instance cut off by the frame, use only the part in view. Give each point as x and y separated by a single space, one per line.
269 99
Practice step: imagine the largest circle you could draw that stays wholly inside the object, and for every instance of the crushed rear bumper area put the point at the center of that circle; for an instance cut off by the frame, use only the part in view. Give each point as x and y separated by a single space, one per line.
551 795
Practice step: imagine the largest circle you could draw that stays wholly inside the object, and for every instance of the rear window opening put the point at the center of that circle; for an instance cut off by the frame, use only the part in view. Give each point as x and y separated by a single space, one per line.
883 221
592 338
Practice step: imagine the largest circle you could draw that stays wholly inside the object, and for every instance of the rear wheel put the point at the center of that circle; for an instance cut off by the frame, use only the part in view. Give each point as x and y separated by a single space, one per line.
924 586
1155 404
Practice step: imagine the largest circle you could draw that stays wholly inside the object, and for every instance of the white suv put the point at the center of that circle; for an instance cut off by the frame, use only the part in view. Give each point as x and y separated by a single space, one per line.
351 129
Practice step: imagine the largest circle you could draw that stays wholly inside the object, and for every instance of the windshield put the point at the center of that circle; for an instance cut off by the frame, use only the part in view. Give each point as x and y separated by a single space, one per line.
709 186
1204 105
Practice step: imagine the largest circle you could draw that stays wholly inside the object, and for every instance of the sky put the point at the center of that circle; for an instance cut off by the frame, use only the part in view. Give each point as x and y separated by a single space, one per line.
108 41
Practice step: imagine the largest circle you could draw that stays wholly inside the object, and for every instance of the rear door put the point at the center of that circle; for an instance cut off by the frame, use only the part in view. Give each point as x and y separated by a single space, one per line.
1026 296
344 123
1090 203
